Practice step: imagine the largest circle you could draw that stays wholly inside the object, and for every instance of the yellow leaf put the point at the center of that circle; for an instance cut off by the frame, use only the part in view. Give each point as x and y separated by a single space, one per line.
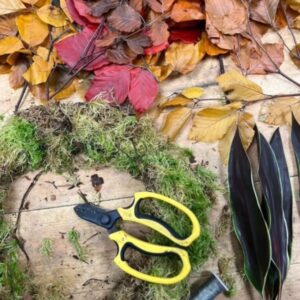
295 55
10 6
67 92
210 48
193 92
10 45
31 2
294 4
246 124
278 112
32 30
175 122
177 101
44 53
65 9
52 15
239 87
183 57
212 123
39 71
161 72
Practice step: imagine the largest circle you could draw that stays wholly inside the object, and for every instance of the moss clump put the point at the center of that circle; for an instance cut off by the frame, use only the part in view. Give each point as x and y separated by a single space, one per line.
20 147
105 135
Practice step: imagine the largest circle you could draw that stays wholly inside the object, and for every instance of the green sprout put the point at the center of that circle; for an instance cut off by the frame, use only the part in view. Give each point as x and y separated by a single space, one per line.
74 238
47 247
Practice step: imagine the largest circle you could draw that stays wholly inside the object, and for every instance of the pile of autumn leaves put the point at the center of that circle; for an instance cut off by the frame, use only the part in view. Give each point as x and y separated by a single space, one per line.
124 48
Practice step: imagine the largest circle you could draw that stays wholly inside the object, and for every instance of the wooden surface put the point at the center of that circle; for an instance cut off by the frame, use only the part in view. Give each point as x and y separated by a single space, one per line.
50 204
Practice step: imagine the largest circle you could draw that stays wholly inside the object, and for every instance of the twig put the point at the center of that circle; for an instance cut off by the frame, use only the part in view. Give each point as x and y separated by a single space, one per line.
82 196
24 90
19 240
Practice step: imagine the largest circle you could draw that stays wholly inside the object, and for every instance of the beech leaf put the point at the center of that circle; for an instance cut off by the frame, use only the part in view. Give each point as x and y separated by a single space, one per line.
175 122
138 42
111 83
159 33
176 101
32 30
144 89
264 11
10 45
103 7
160 6
125 18
230 17
10 6
52 15
85 12
238 87
295 55
187 10
16 79
193 92
8 25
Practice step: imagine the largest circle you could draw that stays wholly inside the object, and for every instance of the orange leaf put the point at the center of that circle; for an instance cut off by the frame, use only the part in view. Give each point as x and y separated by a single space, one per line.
10 45
67 92
184 10
5 69
210 48
32 30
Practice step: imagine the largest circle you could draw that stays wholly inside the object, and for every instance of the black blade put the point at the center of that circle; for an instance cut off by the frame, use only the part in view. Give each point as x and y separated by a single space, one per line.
97 215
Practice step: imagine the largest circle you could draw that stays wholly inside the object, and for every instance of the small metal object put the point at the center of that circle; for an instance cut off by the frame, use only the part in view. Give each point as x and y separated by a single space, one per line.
211 289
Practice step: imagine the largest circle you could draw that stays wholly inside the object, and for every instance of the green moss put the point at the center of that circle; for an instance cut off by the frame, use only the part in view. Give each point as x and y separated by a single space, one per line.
104 135
20 147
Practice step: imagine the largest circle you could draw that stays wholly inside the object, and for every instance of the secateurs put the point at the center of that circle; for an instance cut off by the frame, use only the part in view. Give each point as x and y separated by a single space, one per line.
123 240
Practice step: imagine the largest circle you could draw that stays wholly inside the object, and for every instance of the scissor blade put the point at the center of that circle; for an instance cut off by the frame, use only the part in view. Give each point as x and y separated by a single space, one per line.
97 215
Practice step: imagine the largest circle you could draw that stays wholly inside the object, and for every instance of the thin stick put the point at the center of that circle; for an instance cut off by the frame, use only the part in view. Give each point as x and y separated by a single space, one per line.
24 90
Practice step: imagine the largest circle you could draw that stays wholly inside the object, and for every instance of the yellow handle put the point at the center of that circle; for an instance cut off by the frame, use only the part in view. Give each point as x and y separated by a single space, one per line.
129 214
123 240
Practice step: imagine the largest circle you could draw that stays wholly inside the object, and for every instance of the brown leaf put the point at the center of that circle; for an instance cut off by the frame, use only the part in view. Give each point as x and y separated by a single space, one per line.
107 40
8 25
5 68
294 4
137 5
264 11
230 17
121 54
138 42
175 122
103 7
125 18
218 38
295 55
253 60
16 79
160 6
187 10
159 33
39 91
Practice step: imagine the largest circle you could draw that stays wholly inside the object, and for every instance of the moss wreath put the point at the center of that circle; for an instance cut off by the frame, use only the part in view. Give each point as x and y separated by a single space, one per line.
52 138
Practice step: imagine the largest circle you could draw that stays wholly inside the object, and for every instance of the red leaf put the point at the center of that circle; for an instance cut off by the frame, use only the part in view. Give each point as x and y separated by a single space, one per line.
125 18
156 49
143 89
75 14
188 36
70 50
85 11
112 83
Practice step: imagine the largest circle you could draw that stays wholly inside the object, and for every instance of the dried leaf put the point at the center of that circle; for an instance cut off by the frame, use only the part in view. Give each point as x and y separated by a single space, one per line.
108 39
183 57
264 11
85 11
245 124
188 36
230 17
137 5
238 87
39 71
44 54
193 92
10 45
120 54
295 55
177 101
10 6
143 89
184 10
52 15
138 42
32 30
16 79
67 92
161 72
279 111
160 6
104 6
39 91
175 122
253 60
8 25
212 123
5 69
294 4
125 18
210 48
159 33
156 49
